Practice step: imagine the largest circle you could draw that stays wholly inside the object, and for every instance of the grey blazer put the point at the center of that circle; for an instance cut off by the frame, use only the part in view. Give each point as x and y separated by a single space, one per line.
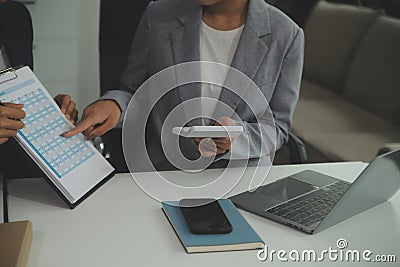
270 52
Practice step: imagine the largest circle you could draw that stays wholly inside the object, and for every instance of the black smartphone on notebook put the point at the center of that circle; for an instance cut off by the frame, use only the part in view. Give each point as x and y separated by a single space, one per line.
205 216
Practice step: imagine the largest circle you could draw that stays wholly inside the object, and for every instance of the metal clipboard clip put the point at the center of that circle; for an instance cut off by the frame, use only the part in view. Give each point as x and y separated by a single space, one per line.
4 74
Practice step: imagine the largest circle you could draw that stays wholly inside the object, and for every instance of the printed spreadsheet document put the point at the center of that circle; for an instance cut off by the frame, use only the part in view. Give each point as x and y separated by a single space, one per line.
73 164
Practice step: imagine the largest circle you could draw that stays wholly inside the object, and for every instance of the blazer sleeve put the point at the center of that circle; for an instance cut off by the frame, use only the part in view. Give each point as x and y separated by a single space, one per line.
256 141
286 95
136 71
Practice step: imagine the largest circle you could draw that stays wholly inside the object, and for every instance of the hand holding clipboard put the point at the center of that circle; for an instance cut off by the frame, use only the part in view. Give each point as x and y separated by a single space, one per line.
10 116
10 120
72 166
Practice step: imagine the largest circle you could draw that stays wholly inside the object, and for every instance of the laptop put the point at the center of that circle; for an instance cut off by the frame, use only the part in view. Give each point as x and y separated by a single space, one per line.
311 202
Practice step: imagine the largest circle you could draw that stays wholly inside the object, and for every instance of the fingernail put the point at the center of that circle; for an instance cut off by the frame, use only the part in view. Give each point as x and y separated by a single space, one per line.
63 134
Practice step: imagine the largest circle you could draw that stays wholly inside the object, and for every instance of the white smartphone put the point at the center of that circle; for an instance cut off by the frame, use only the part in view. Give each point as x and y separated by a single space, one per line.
208 131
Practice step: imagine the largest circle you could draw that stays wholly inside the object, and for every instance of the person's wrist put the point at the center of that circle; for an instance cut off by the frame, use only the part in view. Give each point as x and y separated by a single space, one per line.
113 102
116 107
113 106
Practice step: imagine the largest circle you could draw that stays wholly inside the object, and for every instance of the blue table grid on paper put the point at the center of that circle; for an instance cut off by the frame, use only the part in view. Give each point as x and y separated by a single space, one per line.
17 87
43 126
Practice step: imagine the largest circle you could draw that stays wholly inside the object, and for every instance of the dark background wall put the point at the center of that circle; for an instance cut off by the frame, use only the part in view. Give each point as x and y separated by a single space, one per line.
299 10
118 22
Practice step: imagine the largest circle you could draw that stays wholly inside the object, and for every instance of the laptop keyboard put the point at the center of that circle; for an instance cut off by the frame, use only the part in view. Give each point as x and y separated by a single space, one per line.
313 207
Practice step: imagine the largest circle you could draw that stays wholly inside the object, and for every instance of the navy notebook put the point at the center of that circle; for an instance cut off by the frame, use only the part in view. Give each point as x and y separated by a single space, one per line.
242 237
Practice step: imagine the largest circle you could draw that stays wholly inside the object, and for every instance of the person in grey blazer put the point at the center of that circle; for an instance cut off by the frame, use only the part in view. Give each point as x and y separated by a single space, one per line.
259 40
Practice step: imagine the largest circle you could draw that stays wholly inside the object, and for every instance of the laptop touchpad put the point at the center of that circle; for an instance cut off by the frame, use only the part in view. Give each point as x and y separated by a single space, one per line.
286 189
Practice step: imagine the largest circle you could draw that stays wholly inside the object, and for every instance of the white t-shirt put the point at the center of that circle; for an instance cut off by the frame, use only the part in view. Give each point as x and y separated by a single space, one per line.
4 62
216 46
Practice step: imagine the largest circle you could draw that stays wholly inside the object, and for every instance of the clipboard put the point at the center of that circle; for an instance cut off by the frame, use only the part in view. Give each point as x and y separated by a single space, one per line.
73 167
11 71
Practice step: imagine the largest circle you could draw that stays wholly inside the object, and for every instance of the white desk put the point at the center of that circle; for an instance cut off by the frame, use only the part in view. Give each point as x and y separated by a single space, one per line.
121 226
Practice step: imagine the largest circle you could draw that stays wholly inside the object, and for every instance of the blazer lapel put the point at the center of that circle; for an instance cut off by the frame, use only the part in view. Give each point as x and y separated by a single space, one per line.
248 58
251 50
185 43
